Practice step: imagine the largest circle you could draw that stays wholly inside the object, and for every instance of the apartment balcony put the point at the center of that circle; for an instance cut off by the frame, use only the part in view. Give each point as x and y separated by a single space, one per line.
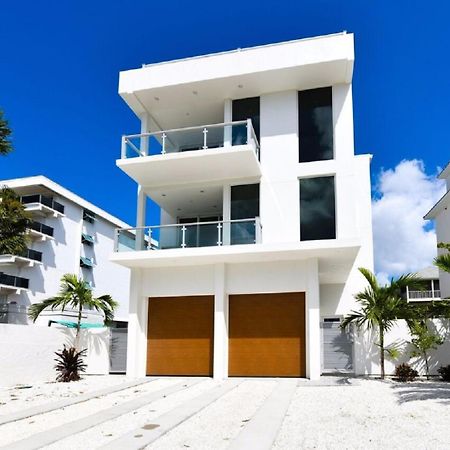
423 296
29 259
40 232
11 284
42 205
192 155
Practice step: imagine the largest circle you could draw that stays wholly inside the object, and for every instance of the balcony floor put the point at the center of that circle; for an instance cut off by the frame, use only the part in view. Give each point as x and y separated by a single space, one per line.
193 166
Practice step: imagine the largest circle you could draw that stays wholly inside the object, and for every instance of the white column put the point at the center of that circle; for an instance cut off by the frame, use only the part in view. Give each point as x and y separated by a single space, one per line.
313 341
228 117
226 214
220 364
141 197
137 327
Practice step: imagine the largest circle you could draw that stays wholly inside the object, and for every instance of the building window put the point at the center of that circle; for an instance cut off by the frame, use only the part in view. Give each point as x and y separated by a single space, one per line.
315 124
243 109
317 209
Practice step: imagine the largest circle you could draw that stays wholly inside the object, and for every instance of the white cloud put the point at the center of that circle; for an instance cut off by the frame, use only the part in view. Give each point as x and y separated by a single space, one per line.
403 241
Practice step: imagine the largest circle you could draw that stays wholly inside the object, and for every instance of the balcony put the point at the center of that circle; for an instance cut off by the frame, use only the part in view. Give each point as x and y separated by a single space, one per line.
194 154
415 296
42 205
28 258
40 231
12 284
189 235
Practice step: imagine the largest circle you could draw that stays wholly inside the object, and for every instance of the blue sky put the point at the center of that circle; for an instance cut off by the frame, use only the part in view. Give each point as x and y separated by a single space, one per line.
60 61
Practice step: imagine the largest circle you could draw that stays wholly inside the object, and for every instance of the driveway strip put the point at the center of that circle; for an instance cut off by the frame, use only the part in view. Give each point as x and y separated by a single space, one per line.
68 429
48 407
262 429
143 436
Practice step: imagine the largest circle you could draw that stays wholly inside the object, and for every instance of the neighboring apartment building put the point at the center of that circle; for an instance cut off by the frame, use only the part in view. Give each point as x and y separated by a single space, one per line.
440 213
431 289
68 235
265 215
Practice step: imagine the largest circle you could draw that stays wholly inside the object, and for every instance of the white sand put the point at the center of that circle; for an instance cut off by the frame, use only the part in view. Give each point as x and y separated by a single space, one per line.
220 422
370 415
373 415
25 396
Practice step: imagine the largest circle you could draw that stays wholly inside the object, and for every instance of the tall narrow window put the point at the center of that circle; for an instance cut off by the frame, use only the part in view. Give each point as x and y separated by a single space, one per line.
243 109
244 205
315 124
317 209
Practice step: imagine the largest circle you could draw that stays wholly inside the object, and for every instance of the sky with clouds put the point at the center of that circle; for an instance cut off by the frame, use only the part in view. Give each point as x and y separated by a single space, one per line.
403 241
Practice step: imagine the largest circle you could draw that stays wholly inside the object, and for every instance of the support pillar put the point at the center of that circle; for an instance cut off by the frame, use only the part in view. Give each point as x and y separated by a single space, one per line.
313 341
220 363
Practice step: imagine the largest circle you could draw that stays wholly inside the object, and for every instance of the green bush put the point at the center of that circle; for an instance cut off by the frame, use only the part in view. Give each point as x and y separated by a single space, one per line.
404 372
444 372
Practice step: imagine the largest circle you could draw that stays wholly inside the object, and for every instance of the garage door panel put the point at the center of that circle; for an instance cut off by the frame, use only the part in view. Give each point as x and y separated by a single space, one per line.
180 336
267 335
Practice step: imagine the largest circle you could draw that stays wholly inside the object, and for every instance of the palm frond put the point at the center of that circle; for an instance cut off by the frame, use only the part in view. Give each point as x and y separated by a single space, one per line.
443 262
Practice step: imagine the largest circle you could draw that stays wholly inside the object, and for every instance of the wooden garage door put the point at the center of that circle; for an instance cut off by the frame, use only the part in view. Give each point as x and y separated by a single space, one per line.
267 335
180 336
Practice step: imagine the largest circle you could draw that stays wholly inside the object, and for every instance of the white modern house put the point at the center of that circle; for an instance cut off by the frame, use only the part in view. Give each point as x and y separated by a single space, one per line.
265 212
68 235
440 213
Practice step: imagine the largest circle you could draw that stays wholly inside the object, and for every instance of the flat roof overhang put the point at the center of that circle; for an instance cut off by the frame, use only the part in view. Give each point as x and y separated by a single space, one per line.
200 166
192 90
336 257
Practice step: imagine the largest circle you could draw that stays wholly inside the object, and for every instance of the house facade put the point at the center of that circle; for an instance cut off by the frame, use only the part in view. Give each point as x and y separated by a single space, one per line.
265 212
440 213
67 235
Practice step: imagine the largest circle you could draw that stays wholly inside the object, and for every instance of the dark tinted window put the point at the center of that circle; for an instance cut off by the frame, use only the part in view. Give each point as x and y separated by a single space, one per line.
245 201
317 209
243 109
315 124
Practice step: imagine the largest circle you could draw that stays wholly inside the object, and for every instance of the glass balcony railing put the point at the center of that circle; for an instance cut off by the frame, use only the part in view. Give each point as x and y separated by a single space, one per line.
13 281
190 139
41 228
43 200
189 235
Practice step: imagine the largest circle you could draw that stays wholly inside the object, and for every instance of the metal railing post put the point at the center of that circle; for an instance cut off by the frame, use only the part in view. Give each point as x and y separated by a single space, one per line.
149 243
249 131
116 240
258 230
205 134
163 151
183 236
123 150
219 237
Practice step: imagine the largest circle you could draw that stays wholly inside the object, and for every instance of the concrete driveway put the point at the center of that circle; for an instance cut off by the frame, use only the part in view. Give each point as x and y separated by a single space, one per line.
200 413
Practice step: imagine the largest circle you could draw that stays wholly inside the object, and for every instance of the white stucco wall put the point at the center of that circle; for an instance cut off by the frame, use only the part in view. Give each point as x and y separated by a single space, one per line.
442 222
27 352
367 354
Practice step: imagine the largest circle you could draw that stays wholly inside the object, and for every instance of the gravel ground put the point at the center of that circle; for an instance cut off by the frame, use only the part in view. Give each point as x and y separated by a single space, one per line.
373 415
22 397
368 415
220 422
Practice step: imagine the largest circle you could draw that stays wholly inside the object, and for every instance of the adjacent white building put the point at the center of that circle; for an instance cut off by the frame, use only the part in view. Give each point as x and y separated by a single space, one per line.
68 235
440 213
265 212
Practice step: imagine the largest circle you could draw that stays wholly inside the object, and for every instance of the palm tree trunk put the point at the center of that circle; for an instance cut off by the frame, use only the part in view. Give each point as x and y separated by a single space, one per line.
382 351
77 335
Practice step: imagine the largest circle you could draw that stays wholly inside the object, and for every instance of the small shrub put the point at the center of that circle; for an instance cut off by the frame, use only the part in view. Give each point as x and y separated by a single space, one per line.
69 364
404 372
444 372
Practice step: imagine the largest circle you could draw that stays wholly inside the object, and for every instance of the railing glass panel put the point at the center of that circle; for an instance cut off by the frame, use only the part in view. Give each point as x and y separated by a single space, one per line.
190 139
189 235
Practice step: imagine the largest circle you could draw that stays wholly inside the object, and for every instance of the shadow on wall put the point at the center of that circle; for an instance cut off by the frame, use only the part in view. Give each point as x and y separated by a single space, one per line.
412 392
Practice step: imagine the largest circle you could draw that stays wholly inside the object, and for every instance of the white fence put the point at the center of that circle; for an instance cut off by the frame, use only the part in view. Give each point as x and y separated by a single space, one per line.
27 352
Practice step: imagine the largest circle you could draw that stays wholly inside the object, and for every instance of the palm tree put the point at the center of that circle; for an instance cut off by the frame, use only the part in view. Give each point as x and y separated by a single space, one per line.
5 133
443 261
76 294
381 306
